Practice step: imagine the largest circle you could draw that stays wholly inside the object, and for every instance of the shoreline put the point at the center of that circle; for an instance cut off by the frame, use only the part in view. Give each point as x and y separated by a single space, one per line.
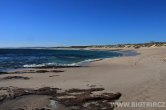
77 62
138 78
84 63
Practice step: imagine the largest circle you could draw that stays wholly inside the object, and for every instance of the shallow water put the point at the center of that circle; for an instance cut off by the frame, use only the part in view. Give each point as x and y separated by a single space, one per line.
30 102
57 106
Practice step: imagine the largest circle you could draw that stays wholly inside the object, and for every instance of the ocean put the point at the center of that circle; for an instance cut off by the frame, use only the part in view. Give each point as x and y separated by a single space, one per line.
24 58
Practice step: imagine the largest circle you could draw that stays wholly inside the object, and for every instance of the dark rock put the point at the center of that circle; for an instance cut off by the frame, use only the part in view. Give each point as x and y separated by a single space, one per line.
84 90
3 97
54 75
46 71
16 77
72 98
42 109
41 71
46 91
21 92
57 71
4 72
19 109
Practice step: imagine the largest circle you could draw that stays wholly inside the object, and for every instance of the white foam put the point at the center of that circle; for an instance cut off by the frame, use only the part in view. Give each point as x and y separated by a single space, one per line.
55 64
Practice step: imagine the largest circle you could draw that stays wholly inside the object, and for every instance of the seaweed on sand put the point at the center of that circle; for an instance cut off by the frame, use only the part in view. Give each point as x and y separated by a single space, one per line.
15 77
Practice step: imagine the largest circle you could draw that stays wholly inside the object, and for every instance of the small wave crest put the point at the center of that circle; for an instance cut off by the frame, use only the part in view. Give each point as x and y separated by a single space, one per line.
55 64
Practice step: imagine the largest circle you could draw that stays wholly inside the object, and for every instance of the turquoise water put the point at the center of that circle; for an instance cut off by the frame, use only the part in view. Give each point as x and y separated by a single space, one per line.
23 58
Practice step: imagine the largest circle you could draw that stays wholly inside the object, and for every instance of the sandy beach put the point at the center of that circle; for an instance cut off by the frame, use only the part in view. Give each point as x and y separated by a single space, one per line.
139 78
82 54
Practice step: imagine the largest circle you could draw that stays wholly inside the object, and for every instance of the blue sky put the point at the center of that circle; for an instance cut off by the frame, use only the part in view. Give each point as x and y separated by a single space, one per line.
81 22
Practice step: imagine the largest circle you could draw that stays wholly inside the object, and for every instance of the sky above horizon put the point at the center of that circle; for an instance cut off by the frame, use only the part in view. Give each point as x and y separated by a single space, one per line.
81 22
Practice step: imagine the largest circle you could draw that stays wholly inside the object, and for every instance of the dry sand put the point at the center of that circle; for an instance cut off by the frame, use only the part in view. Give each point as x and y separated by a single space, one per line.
138 78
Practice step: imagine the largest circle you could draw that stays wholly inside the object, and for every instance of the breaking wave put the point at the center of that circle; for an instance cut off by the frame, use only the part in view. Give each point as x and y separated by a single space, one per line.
55 64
